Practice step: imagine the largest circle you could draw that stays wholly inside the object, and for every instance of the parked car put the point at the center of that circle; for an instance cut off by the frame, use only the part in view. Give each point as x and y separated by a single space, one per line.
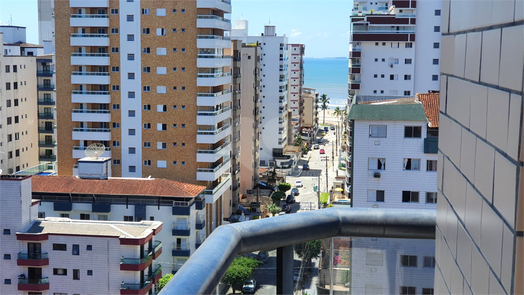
263 256
322 151
332 127
286 208
294 191
319 140
323 133
290 199
326 128
298 183
305 167
316 146
249 286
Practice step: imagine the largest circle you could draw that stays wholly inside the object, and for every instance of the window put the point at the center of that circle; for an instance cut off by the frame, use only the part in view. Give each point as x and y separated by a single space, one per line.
15 85
89 248
8 103
16 119
41 214
76 274
408 290
161 145
59 247
407 77
161 108
147 107
375 76
132 169
412 131
161 127
183 10
183 50
114 30
435 61
64 215
7 256
116 161
381 75
160 12
131 94
173 30
409 197
407 61
7 231
161 70
130 56
409 45
183 69
411 164
437 12
146 50
161 89
160 32
174 88
174 10
76 250
131 150
114 49
436 29
175 162
376 196
15 68
7 86
128 218
427 291
183 30
89 272
431 165
145 31
431 198
408 260
174 69
146 88
130 18
131 76
429 261
436 45
378 131
8 282
147 144
130 37
60 271
407 92
146 69
376 43
9 137
383 60
162 164
183 126
131 113
393 77
114 11
183 162
7 68
116 125
145 11
115 69
147 125
434 77
161 51
85 216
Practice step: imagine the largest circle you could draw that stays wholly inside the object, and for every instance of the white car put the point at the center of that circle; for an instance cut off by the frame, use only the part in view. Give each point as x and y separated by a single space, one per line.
298 183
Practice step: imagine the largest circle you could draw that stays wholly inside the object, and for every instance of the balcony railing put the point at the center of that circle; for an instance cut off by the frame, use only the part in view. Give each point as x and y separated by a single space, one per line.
89 16
218 187
204 269
213 17
212 37
77 73
215 169
90 35
90 54
218 149
214 94
91 111
92 129
90 92
34 256
213 113
213 132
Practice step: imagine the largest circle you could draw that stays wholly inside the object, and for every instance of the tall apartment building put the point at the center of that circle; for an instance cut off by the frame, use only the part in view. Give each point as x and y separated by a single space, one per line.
18 101
250 116
235 53
46 25
296 81
273 90
394 48
45 76
61 255
480 212
309 119
150 81
393 164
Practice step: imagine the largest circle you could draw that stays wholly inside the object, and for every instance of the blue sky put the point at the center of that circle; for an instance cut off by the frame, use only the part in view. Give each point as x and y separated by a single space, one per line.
322 25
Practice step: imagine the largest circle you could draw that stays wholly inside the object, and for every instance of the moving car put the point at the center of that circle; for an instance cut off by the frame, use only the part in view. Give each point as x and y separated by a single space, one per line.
298 183
316 146
286 208
294 191
322 151
305 167
290 199
249 286
332 127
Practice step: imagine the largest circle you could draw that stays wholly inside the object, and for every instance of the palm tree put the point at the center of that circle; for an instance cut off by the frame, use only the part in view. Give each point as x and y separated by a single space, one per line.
324 103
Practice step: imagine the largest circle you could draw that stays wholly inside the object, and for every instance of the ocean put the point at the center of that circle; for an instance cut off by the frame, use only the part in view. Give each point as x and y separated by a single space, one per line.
328 76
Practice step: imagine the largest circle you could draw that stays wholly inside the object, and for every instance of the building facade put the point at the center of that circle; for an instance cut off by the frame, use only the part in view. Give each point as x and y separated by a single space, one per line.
295 69
394 48
45 76
46 25
150 81
309 118
480 212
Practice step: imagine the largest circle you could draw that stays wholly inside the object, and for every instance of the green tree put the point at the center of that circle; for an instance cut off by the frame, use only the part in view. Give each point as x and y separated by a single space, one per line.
239 271
164 280
298 140
309 250
277 196
273 209
284 187
324 105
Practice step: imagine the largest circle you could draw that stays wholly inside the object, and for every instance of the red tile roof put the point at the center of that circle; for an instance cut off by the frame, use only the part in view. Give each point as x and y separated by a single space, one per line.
115 186
431 102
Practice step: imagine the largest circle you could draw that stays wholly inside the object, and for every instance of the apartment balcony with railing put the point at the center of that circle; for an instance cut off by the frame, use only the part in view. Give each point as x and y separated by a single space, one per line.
88 4
213 117
224 5
83 96
33 284
214 135
213 79
95 134
89 39
89 20
45 87
213 155
213 98
91 115
213 22
78 77
200 222
213 172
213 41
32 259
89 59
219 187
145 286
141 263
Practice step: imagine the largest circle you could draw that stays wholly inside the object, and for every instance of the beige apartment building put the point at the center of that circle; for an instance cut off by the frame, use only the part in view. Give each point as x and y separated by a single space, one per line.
18 102
309 117
150 81
480 209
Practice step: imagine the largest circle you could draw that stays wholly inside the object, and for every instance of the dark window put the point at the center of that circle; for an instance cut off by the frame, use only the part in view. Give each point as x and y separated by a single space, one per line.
60 247
128 218
380 196
7 231
431 198
436 45
409 45
429 261
7 281
8 103
431 165
76 249
130 37
434 77
408 260
409 197
7 86
15 68
407 61
437 12
435 61
7 69
427 291
15 85
89 248
436 29
60 271
413 131
89 272
76 274
41 214
408 290
84 216
407 92
7 256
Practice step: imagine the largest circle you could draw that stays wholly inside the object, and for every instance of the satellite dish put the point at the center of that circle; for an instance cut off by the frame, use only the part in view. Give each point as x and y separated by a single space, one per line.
95 150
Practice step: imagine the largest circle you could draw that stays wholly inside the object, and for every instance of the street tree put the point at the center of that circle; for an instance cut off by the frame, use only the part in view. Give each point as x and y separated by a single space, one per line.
284 187
324 105
164 280
239 271
298 140
309 250
277 196
273 209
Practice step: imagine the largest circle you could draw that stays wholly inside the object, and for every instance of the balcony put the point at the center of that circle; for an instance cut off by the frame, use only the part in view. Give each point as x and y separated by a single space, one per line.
218 190
90 78
46 102
32 259
139 264
90 3
46 130
213 79
181 229
204 269
224 5
45 73
79 152
213 117
211 156
135 289
213 99
47 143
213 61
33 284
431 145
88 115
211 174
89 59
89 20
181 208
213 41
200 224
180 251
80 96
46 115
46 87
213 22
103 134
79 39
213 136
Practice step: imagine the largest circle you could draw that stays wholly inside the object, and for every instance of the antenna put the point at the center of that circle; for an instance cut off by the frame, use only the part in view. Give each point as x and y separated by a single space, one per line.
95 150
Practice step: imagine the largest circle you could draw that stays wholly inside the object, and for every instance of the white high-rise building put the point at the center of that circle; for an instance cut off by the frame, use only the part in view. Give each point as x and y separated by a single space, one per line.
46 25
394 48
273 89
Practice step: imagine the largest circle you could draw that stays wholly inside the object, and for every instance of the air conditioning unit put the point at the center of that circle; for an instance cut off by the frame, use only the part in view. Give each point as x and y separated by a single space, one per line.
376 174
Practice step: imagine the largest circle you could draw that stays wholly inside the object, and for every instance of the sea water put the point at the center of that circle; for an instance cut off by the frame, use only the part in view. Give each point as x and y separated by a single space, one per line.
328 76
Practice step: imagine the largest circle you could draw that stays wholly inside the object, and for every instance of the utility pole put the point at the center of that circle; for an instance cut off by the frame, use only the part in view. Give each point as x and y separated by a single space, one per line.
318 192
327 187
332 155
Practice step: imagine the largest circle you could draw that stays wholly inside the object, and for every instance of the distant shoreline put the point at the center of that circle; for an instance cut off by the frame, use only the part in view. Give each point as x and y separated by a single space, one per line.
334 57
